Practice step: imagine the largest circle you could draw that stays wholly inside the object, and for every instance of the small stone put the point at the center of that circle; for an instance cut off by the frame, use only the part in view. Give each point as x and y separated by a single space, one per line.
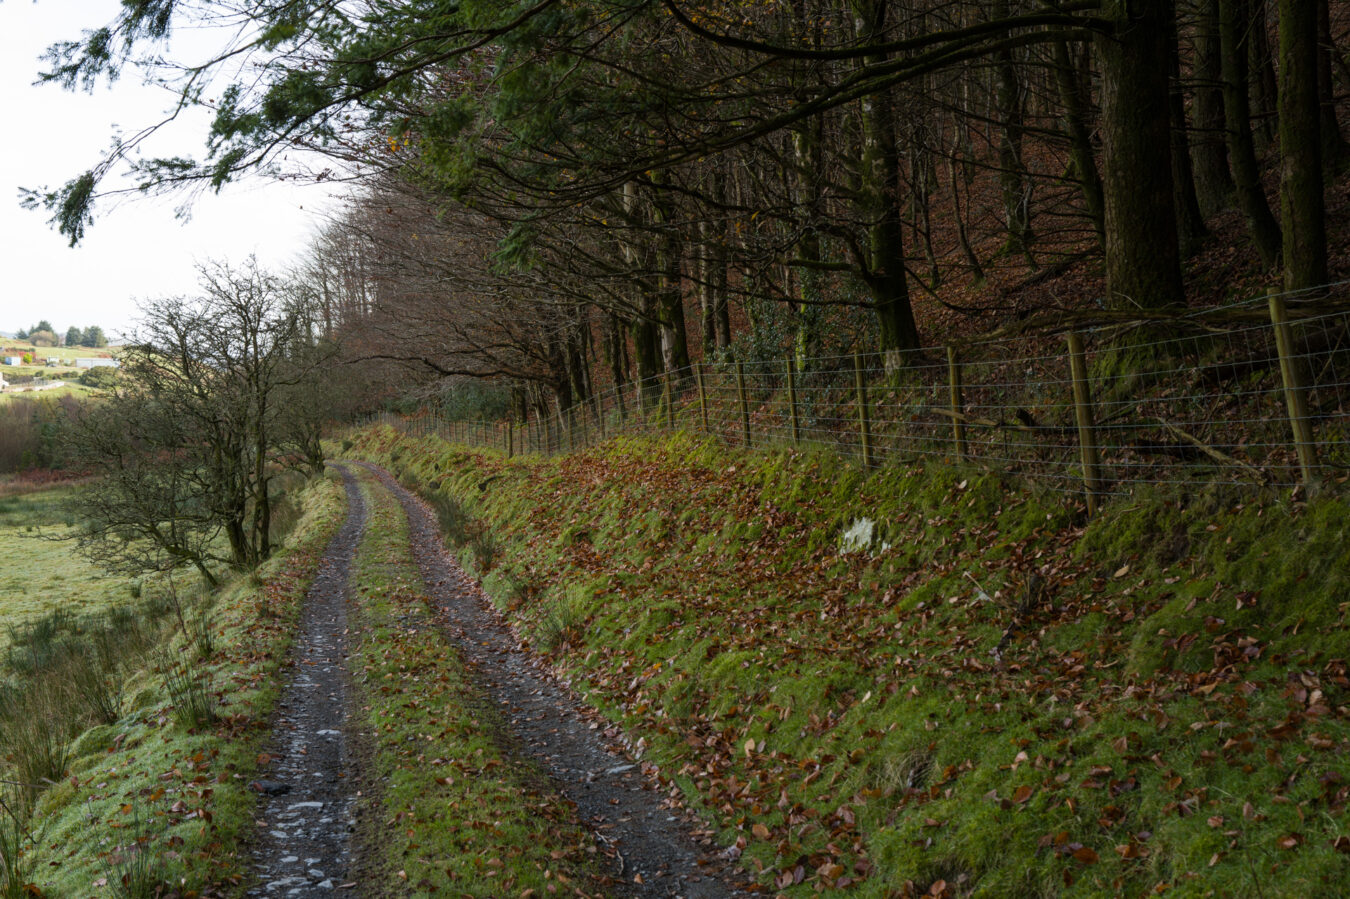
269 787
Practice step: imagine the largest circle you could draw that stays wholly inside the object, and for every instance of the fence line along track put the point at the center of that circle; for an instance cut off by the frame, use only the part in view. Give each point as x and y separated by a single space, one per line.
1212 397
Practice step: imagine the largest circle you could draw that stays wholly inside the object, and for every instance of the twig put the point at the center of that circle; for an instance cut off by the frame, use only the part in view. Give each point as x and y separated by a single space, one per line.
1215 454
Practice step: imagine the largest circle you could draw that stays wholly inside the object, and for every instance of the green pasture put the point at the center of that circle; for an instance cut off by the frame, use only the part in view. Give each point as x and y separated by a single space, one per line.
38 573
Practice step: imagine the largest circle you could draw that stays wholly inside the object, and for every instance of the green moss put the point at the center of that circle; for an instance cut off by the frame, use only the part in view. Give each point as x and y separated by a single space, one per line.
1144 688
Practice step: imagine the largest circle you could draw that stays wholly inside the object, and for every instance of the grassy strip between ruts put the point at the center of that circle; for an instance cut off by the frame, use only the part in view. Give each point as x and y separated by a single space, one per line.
975 696
157 803
454 815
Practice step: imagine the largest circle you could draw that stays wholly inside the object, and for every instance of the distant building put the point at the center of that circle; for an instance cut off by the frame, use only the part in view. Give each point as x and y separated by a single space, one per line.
13 360
102 362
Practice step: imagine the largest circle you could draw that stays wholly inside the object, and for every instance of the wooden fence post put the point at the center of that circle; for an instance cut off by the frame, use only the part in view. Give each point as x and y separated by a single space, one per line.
1295 397
864 411
702 396
792 401
667 401
745 401
1087 435
510 439
958 403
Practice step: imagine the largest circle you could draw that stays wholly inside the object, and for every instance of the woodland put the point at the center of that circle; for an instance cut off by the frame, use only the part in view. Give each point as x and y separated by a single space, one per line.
940 675
563 196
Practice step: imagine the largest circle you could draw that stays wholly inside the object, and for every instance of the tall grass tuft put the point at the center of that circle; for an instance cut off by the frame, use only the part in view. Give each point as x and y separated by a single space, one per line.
134 871
63 674
36 731
454 521
462 532
15 839
194 705
195 623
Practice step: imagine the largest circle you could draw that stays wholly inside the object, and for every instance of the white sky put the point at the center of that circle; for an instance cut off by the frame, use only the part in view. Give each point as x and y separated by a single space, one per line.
135 248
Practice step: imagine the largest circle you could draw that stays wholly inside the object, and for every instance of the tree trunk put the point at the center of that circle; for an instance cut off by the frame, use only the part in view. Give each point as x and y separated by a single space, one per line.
578 369
1302 205
880 205
614 346
1261 71
1016 187
670 298
921 179
1081 157
806 196
647 352
1190 221
706 300
1334 149
1209 151
1234 23
1143 266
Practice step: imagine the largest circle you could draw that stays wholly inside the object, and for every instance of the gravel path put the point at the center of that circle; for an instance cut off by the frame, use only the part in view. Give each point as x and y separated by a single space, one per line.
656 850
305 819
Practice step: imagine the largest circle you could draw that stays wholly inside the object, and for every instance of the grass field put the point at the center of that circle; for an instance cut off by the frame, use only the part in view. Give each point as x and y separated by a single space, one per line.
67 373
37 574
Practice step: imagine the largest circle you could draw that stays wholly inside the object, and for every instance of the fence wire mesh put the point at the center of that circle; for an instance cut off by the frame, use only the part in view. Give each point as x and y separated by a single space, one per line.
1252 393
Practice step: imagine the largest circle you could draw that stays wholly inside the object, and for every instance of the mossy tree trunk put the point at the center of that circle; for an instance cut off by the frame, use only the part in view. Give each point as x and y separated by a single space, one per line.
1302 206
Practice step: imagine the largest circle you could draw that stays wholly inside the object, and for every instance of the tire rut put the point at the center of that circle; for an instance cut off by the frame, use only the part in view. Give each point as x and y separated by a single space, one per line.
656 846
307 814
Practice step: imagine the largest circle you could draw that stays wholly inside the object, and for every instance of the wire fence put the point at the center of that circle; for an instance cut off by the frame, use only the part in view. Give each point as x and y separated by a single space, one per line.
1253 393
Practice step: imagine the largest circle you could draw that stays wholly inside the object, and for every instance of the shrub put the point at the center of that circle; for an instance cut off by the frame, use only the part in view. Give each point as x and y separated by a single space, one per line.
101 378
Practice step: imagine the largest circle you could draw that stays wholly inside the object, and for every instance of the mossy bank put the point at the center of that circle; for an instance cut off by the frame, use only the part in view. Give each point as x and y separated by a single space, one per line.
976 693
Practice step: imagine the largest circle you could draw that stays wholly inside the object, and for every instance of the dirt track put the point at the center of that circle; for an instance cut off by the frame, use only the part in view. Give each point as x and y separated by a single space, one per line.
652 848
306 815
